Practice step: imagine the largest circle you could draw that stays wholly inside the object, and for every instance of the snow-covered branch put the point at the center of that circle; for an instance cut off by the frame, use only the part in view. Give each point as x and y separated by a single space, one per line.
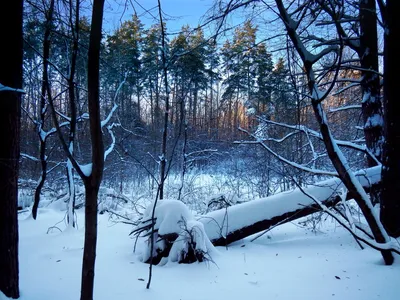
4 88
349 226
201 151
115 106
347 107
55 166
281 158
45 134
111 147
108 118
319 136
27 156
338 92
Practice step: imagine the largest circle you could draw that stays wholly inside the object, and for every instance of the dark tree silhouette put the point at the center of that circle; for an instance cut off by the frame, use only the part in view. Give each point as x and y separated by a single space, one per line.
390 201
11 80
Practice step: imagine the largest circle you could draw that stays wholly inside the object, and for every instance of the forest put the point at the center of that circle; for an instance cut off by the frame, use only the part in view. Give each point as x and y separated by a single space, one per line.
263 127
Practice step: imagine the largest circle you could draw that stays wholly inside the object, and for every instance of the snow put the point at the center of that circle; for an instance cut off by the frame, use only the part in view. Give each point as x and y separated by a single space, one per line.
290 263
251 111
86 169
219 223
108 118
29 157
168 215
200 239
375 120
366 97
84 116
42 134
346 107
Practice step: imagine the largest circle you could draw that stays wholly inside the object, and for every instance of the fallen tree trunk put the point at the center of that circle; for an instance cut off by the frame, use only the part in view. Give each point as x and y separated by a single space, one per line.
234 223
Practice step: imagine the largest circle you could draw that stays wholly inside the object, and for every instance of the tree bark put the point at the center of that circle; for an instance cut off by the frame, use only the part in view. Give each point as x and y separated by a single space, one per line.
89 252
10 101
92 183
163 162
390 196
370 85
72 103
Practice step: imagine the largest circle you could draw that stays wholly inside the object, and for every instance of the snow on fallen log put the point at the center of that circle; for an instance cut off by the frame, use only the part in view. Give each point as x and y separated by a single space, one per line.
236 222
177 236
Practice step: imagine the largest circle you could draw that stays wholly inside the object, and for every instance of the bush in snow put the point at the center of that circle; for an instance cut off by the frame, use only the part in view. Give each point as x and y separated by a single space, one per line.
177 236
192 243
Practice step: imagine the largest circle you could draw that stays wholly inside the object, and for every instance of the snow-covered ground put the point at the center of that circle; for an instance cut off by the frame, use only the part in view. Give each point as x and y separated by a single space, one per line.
290 262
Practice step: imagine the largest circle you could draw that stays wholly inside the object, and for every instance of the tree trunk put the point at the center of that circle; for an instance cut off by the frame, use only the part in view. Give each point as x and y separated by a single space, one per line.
10 101
371 101
163 162
89 252
139 112
73 112
42 112
71 192
390 197
225 226
92 183
42 179
195 100
250 229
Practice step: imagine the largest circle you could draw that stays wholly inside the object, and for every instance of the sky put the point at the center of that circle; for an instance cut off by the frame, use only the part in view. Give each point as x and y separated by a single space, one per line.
179 12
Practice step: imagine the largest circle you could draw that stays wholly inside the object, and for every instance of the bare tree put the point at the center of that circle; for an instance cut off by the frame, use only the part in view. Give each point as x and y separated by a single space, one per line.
321 61
163 162
43 135
335 154
73 110
92 173
365 43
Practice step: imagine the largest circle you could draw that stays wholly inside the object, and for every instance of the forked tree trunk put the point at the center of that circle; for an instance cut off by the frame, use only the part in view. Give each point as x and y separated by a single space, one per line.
10 102
93 173
42 110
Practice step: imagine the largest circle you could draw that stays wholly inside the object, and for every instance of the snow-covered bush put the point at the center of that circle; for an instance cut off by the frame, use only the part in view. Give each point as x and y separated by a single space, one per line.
177 236
192 243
